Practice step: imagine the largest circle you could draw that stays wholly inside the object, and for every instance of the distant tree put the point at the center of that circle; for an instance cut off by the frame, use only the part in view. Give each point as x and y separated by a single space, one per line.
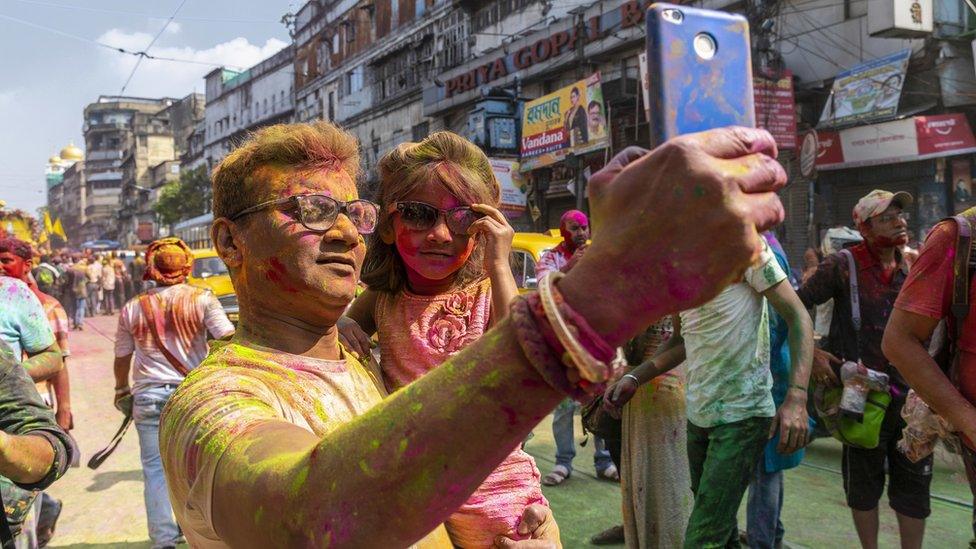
188 197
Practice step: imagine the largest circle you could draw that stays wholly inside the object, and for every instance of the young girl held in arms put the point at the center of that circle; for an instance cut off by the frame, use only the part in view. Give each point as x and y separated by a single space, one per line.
439 277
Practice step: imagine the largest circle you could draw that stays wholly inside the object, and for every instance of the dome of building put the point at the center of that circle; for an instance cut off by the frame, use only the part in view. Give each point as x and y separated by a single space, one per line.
54 160
72 153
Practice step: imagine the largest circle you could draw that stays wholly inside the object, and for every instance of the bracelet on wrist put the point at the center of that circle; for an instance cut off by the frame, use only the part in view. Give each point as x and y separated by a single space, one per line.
122 390
540 354
585 350
798 387
633 377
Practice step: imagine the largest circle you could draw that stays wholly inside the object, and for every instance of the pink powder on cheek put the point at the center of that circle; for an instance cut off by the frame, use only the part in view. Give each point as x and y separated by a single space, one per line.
278 274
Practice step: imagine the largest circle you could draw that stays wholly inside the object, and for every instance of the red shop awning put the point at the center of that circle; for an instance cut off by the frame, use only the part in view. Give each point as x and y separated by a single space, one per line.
906 140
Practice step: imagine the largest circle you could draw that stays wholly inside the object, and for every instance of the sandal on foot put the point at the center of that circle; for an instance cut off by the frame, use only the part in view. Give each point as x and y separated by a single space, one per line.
610 473
556 477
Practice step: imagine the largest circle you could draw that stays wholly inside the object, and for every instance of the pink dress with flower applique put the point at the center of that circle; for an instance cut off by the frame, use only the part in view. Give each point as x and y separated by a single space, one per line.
417 334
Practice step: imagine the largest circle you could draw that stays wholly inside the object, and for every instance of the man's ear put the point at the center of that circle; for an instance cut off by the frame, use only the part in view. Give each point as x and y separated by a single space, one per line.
226 236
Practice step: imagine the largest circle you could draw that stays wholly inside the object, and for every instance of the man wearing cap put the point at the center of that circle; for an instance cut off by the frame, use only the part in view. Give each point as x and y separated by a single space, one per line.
166 329
881 270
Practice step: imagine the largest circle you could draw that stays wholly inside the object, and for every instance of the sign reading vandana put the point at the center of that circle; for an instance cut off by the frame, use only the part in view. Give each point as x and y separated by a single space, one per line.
571 120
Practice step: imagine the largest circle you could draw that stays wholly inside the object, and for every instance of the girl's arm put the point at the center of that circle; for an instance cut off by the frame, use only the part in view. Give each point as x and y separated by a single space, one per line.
498 235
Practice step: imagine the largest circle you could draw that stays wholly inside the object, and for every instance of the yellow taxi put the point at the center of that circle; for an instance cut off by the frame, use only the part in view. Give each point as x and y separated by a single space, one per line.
527 248
210 272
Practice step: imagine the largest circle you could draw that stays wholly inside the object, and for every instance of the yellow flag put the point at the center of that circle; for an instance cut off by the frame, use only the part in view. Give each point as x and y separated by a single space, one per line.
58 229
48 228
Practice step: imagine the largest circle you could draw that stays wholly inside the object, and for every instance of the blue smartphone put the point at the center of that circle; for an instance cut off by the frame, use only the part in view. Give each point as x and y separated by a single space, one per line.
700 69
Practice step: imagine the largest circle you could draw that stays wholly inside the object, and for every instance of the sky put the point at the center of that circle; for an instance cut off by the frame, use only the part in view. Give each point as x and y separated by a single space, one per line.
51 66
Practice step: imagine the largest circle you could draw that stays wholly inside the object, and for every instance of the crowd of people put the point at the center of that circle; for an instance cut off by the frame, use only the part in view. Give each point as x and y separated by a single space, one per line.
395 416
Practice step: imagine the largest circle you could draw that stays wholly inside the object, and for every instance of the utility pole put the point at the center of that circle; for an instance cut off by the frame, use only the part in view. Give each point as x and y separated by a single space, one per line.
578 182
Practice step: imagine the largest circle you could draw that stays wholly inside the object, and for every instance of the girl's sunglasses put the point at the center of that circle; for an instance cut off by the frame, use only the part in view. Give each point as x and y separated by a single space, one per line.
418 216
318 212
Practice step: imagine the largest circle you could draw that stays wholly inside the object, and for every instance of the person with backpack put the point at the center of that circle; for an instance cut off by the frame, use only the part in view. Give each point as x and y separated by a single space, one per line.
165 329
937 289
864 281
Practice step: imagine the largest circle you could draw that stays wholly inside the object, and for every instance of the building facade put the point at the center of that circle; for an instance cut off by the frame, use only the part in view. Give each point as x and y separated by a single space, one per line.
240 102
111 129
73 203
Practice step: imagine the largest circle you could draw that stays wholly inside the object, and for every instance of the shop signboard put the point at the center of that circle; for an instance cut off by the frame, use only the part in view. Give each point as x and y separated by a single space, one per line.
909 139
868 91
900 18
571 120
776 108
513 186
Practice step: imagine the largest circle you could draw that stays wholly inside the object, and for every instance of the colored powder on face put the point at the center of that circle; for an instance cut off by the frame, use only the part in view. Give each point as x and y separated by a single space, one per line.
279 275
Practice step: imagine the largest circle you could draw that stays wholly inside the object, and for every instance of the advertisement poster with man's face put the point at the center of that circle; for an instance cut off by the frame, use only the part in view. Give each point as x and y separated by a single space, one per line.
868 91
570 120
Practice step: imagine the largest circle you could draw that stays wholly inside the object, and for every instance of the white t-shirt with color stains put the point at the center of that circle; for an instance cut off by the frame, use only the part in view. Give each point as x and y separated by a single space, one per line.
727 346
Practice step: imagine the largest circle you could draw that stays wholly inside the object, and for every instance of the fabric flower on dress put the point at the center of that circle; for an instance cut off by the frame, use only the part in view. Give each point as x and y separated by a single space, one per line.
459 304
446 333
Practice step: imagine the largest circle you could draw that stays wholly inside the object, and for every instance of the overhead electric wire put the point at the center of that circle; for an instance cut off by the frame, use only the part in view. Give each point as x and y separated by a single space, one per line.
145 50
117 49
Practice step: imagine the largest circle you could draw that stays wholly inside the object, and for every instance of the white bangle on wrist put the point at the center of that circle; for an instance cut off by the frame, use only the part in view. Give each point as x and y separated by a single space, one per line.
632 376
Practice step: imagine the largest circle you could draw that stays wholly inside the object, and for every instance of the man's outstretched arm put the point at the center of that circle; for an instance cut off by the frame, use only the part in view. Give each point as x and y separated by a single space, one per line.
389 477
904 345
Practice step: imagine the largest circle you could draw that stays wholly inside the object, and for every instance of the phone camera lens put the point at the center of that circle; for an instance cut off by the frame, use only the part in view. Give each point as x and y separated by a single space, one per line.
705 45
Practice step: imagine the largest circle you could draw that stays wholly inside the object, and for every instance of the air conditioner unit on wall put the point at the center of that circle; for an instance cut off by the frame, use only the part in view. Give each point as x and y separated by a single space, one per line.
899 18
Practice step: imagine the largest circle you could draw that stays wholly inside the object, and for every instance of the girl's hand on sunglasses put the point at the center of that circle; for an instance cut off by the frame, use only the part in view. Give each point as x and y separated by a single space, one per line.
498 234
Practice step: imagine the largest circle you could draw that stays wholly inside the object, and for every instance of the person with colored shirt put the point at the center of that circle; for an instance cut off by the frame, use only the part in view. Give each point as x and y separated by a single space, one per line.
765 502
435 290
108 283
34 450
283 438
731 413
881 271
24 327
78 290
165 331
574 227
16 258
925 299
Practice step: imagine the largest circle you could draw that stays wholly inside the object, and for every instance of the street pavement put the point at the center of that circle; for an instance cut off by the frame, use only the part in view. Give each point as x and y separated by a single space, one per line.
103 508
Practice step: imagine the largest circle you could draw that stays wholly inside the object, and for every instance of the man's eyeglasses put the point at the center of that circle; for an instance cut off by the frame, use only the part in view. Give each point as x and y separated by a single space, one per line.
888 218
419 216
318 212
